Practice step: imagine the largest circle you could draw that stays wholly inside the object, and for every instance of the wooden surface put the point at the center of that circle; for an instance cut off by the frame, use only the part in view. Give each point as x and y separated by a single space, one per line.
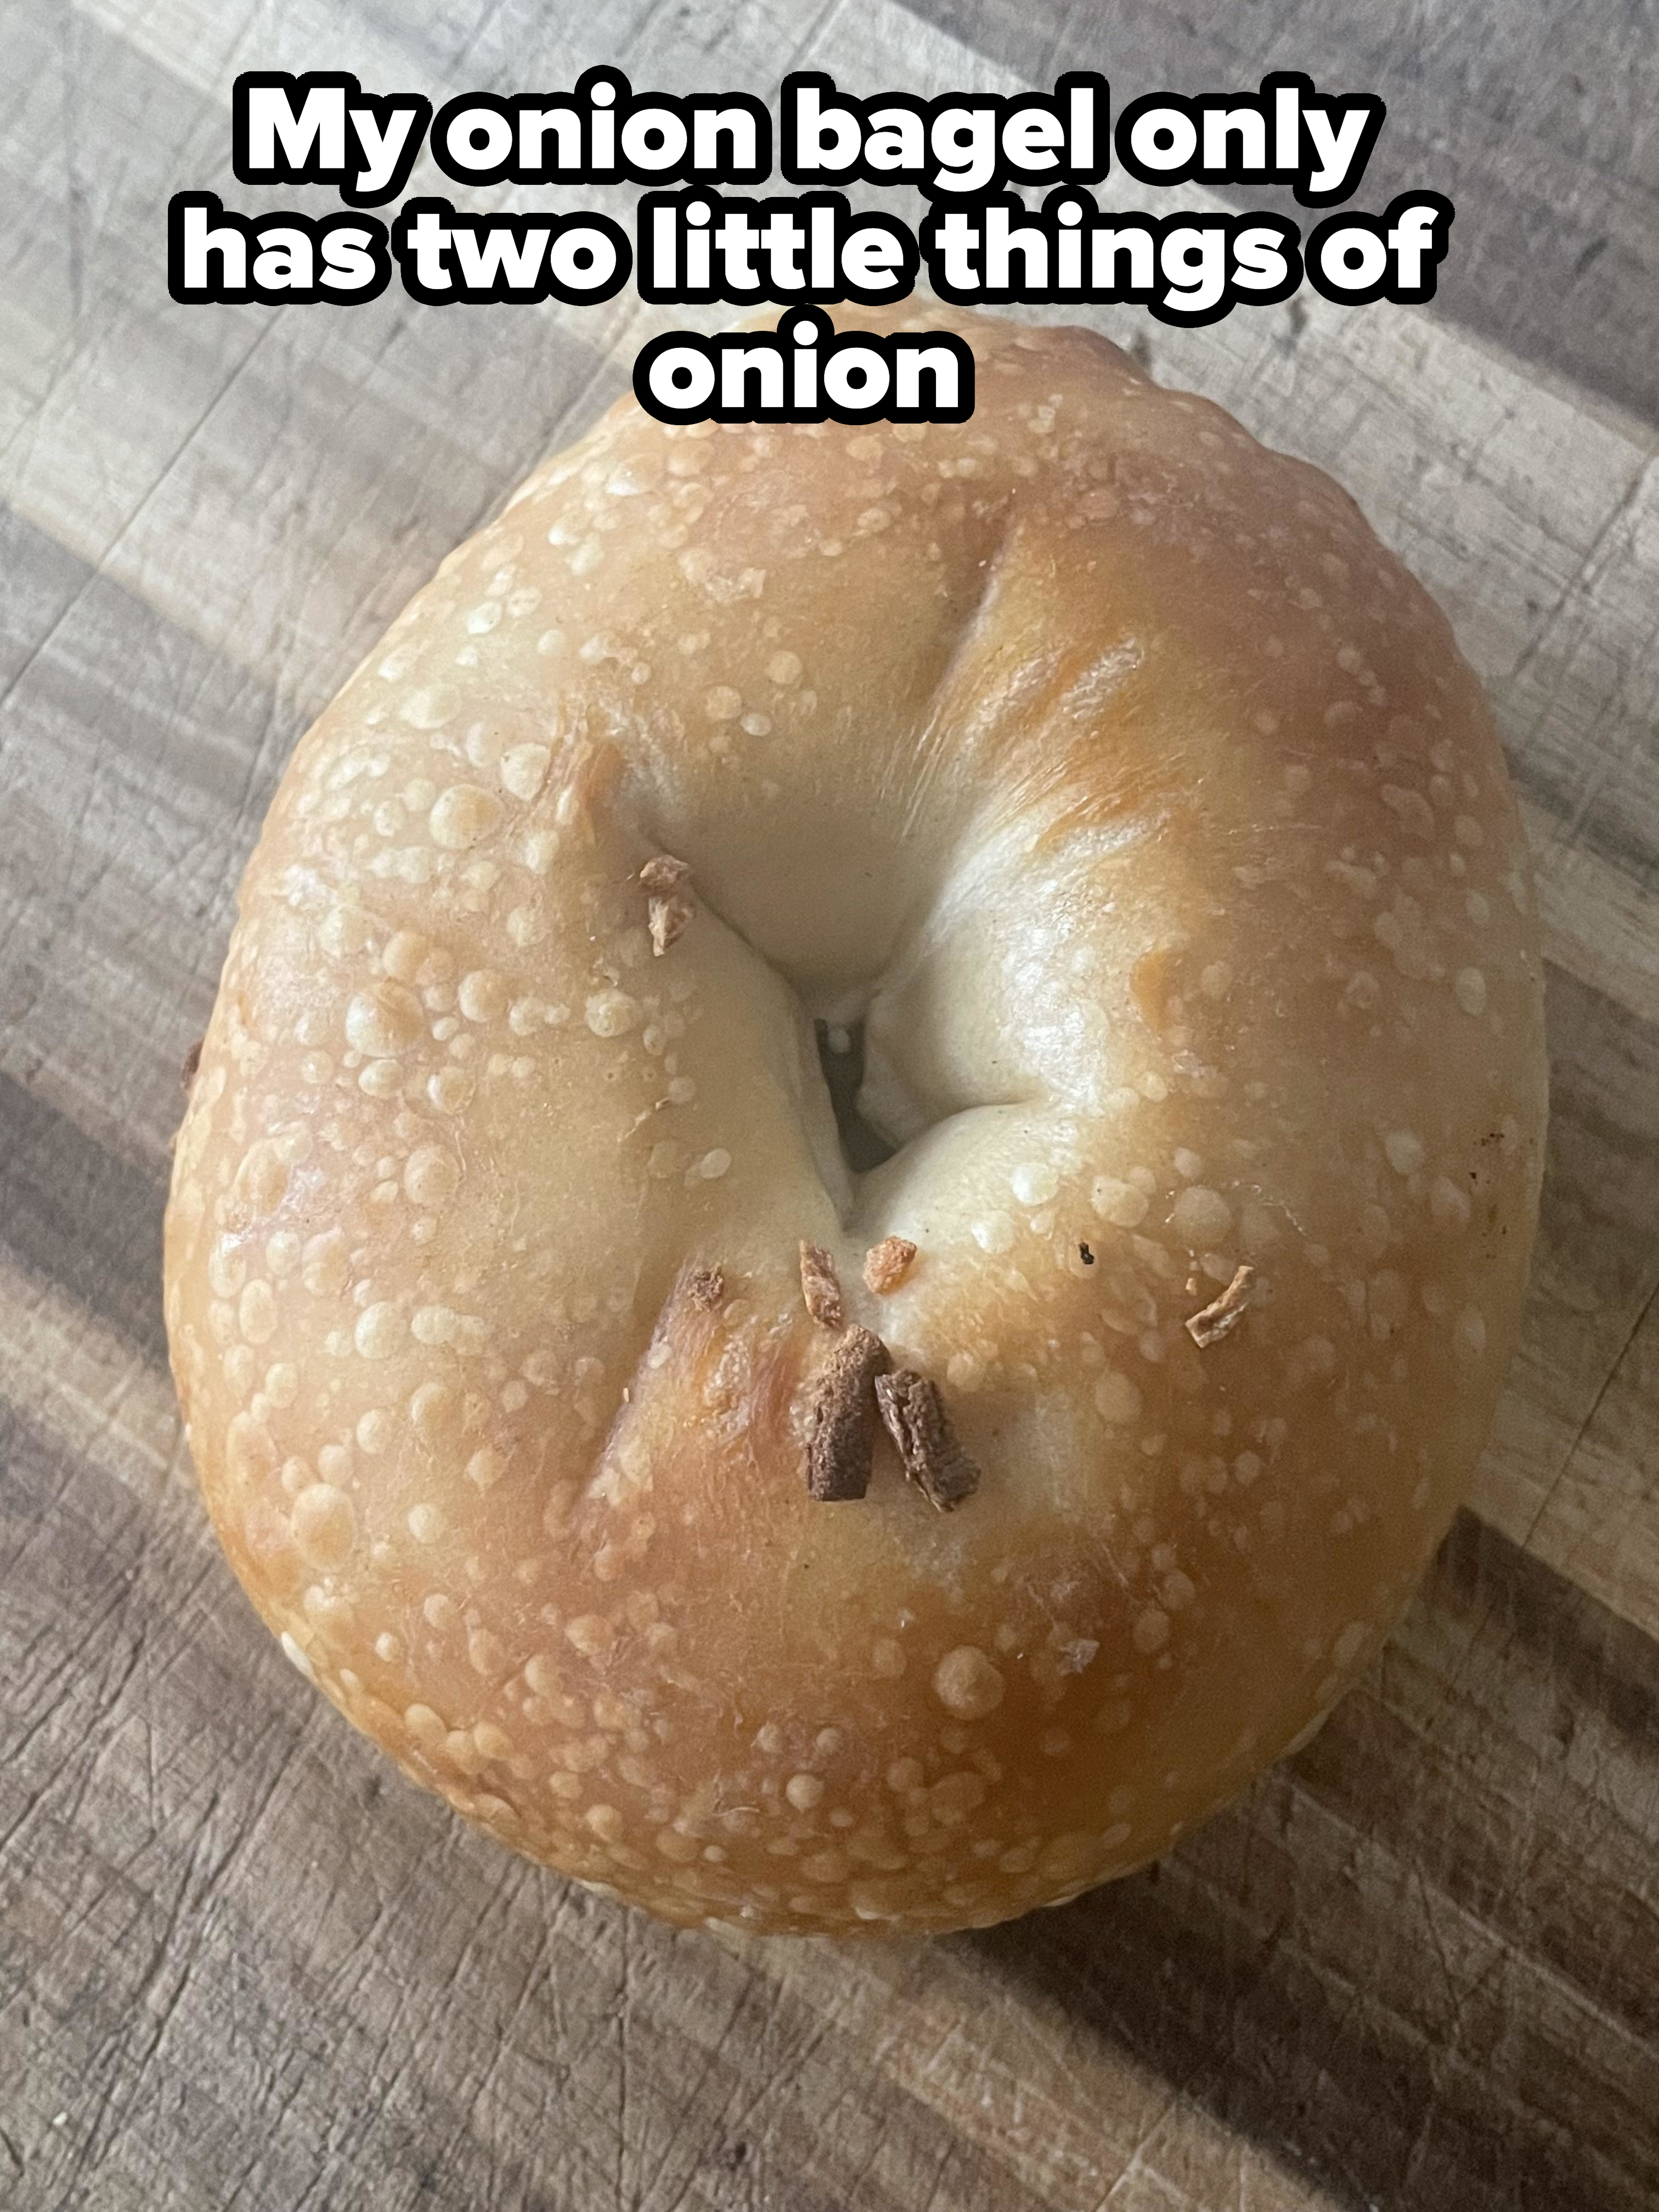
242 1963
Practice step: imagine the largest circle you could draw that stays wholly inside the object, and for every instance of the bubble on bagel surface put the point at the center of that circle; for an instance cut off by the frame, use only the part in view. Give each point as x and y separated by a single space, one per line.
1154 851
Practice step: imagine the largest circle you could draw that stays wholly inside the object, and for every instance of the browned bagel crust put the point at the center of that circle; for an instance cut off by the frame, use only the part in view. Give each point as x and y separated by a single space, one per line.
1111 770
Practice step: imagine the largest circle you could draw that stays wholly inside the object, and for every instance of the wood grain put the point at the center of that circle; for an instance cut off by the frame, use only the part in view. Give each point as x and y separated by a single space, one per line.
1537 121
241 1962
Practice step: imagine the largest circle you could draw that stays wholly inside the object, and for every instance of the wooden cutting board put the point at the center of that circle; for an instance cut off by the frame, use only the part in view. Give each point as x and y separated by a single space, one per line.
242 1963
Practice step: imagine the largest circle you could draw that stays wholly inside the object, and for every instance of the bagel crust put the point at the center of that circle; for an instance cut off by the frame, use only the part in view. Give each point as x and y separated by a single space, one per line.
892 1551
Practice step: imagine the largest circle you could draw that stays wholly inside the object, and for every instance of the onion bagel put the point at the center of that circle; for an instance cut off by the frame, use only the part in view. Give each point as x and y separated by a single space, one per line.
857 1196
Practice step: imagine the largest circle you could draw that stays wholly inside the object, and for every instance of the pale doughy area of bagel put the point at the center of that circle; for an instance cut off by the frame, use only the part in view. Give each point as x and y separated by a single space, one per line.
1101 776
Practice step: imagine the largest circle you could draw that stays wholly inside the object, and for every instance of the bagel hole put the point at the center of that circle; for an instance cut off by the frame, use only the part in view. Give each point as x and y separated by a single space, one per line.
841 1055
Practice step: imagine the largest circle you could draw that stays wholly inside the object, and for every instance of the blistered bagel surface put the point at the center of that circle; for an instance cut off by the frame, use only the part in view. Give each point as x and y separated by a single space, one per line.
1101 775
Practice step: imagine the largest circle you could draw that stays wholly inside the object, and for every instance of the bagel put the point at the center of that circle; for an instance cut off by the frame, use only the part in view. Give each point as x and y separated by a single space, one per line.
864 1170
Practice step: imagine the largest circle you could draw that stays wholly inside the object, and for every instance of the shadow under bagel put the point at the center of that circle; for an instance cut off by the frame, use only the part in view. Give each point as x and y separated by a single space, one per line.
1294 1970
